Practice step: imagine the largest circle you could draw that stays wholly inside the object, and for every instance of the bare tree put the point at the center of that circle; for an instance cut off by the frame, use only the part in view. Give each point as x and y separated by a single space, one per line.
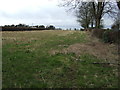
99 9
84 15
116 24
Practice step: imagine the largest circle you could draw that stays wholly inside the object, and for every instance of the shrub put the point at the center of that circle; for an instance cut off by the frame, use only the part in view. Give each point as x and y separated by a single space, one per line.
98 33
81 29
106 36
51 27
114 36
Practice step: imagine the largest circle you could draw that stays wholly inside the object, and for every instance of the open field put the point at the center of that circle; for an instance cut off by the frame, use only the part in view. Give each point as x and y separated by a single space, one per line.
57 59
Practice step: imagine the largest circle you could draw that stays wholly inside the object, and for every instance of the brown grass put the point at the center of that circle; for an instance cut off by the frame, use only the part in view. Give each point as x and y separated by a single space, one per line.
94 47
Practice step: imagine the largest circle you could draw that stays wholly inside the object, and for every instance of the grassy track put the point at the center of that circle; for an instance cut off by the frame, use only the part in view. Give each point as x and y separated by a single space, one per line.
45 59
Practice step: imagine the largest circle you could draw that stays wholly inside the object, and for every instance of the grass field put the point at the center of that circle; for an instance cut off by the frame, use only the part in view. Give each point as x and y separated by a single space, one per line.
57 59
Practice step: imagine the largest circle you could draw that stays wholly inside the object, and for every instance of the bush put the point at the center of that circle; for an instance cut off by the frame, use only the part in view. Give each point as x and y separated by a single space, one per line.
111 36
108 36
51 27
98 33
114 36
81 29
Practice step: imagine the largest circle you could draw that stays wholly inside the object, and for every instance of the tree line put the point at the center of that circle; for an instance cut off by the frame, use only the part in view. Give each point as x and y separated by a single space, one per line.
24 27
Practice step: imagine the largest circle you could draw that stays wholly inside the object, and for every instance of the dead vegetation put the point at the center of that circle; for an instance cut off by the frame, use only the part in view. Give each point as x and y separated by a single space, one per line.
107 52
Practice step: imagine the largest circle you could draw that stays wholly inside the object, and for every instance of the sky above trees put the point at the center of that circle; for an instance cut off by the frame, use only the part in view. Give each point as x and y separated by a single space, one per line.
37 12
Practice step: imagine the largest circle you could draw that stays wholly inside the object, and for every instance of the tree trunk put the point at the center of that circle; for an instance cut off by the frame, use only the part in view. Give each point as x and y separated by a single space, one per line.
92 24
98 11
97 23
98 20
87 26
118 4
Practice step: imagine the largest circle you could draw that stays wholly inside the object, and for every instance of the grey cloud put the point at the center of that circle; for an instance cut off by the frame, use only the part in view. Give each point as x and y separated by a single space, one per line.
48 15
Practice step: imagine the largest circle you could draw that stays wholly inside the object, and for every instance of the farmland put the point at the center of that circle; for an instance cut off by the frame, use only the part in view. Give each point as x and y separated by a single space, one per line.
57 59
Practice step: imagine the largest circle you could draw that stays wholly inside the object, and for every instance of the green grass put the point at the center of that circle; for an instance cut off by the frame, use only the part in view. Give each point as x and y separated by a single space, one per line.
28 64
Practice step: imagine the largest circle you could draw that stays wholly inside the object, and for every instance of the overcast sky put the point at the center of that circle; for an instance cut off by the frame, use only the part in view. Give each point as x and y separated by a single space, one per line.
37 12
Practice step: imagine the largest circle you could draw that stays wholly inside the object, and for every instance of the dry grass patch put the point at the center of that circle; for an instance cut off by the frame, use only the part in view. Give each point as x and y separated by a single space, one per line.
96 48
66 33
